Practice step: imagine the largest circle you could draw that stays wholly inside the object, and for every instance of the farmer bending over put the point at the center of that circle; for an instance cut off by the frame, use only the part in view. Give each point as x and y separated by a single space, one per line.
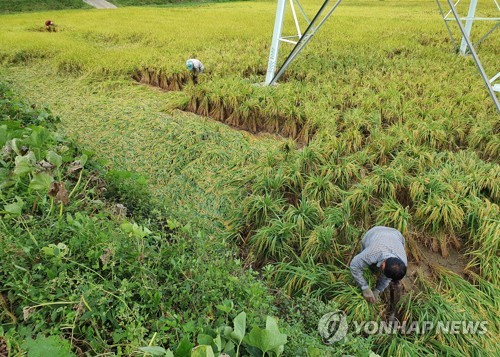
196 67
50 26
383 248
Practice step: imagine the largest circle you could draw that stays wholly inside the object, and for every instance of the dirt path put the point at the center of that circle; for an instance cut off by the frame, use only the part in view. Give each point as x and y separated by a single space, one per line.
100 4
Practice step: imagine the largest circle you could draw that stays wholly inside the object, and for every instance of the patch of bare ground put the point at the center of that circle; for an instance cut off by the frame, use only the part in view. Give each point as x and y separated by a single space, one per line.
426 260
100 4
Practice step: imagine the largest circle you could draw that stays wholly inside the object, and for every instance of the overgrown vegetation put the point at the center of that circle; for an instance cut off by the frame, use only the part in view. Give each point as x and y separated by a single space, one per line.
10 6
400 132
78 268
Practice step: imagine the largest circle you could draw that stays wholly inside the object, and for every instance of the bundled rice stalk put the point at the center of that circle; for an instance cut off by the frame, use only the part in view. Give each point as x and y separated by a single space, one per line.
248 108
159 78
317 280
273 242
325 246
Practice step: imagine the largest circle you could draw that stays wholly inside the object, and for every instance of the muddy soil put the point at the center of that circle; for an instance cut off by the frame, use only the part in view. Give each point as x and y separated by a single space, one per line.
454 262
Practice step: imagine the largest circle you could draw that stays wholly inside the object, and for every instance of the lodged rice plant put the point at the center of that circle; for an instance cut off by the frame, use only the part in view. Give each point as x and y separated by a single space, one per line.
392 214
157 78
377 128
365 94
454 299
485 235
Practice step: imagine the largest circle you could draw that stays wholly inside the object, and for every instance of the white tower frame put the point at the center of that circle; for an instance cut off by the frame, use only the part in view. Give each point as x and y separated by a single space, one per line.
466 45
301 39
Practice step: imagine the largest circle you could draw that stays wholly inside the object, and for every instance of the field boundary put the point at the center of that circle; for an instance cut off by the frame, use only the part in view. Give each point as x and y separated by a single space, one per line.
100 4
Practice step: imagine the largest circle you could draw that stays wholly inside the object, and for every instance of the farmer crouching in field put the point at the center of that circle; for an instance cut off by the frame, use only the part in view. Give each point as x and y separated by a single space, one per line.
383 249
50 26
195 67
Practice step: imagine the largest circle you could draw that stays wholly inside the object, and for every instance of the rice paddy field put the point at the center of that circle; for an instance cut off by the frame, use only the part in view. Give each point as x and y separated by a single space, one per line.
378 122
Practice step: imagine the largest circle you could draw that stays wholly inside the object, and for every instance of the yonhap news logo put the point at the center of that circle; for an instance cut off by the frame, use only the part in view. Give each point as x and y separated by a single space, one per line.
333 327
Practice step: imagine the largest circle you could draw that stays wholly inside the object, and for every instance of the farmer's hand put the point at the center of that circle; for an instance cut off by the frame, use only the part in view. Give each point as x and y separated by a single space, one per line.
376 294
368 295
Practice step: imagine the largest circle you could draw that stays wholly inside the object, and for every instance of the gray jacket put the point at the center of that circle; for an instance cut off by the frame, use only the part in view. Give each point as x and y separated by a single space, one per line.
378 244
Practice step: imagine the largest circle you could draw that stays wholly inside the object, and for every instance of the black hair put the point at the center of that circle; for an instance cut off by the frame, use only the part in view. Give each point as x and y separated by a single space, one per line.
394 269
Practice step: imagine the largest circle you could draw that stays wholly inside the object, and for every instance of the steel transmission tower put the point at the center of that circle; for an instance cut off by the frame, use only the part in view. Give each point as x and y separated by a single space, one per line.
301 39
466 44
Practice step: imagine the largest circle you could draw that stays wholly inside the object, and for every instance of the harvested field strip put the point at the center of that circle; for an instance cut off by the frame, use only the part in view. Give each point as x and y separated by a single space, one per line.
255 110
343 80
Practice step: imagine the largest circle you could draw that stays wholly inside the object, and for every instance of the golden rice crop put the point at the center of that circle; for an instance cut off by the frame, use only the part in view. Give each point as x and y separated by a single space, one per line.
393 130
